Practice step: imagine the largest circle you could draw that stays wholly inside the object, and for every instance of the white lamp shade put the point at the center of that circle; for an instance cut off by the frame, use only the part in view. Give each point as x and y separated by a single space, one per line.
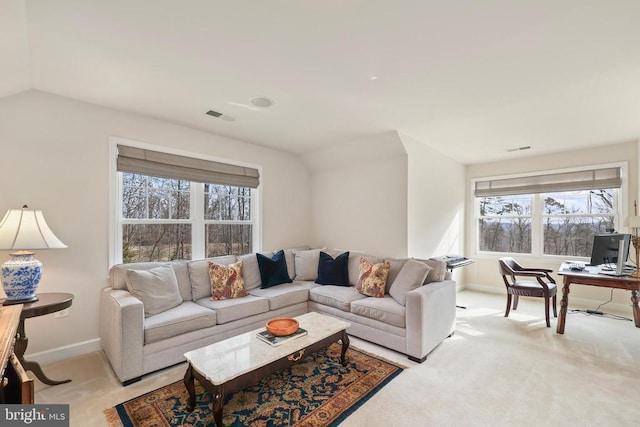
632 222
26 229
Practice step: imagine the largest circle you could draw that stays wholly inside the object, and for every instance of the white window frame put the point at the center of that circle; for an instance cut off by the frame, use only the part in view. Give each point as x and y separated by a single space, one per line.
196 204
537 214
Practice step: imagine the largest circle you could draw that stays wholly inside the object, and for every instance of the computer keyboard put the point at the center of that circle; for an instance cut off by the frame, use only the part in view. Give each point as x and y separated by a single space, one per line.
576 266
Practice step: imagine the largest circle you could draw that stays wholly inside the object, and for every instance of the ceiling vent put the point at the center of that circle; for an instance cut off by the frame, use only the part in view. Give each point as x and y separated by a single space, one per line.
221 116
511 150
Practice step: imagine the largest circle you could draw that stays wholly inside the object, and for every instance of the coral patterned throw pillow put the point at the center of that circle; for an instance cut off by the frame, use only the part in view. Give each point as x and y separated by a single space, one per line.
372 278
226 281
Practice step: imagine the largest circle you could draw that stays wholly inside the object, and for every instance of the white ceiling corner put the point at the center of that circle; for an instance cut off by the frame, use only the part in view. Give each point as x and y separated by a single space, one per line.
468 78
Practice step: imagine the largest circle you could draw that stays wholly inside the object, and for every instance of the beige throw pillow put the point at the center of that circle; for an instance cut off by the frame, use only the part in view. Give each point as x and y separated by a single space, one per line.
157 288
396 266
410 277
306 264
251 271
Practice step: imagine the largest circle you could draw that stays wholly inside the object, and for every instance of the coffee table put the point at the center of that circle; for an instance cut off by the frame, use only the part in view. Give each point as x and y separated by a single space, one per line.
229 366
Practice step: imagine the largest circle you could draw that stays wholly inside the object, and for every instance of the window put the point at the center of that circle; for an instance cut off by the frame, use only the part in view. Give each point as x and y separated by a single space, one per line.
571 219
156 224
174 216
520 215
228 226
505 223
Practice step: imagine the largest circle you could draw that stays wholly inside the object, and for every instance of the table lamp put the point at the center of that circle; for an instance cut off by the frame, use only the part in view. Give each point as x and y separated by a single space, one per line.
633 222
24 230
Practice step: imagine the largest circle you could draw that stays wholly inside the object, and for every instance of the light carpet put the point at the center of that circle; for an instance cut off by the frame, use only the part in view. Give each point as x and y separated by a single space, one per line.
498 371
492 372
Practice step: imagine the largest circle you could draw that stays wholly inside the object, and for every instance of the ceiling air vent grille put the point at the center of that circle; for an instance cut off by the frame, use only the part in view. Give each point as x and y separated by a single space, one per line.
221 116
511 150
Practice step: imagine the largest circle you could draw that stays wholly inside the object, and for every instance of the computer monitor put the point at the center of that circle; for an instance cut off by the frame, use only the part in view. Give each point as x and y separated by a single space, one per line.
606 248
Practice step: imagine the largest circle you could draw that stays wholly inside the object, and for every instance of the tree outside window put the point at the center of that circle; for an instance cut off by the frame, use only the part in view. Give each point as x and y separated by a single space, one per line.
158 221
567 221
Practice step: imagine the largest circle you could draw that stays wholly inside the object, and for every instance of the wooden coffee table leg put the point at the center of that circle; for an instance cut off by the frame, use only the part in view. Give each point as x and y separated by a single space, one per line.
216 405
345 346
191 388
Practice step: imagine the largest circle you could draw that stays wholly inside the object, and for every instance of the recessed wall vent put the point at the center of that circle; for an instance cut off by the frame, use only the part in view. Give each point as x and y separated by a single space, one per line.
221 116
511 150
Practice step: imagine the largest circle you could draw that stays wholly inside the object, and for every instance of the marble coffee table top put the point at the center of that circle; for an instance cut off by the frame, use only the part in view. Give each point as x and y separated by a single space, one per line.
230 358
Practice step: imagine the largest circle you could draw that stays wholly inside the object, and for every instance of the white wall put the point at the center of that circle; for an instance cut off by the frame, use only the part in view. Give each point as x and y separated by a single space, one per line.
359 194
435 202
55 157
483 275
388 195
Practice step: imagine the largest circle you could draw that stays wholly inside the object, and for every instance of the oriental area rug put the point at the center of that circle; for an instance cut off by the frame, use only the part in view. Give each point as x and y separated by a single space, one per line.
316 392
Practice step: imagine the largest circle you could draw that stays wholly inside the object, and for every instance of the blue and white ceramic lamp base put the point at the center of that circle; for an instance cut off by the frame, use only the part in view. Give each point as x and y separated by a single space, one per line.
20 278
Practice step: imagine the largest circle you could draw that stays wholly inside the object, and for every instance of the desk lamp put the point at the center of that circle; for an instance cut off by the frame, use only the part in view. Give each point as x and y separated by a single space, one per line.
633 222
24 230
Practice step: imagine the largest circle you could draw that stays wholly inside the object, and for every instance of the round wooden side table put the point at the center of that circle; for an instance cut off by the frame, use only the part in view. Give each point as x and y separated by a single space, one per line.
47 303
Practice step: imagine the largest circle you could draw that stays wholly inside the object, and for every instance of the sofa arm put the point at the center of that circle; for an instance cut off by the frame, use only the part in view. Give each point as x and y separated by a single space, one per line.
430 317
122 332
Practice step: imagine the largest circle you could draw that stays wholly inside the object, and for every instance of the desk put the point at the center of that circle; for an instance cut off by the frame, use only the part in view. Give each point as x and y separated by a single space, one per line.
591 277
46 304
16 387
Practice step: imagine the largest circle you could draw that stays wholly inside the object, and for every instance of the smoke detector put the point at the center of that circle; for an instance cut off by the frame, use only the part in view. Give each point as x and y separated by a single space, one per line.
261 101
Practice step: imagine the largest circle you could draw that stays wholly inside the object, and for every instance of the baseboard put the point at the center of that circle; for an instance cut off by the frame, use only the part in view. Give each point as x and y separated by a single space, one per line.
574 303
485 289
66 352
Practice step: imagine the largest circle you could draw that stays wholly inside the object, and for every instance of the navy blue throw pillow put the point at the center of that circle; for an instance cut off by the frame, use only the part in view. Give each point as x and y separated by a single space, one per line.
333 271
273 271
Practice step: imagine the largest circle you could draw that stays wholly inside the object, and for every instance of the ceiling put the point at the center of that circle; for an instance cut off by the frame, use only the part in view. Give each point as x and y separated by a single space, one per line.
469 78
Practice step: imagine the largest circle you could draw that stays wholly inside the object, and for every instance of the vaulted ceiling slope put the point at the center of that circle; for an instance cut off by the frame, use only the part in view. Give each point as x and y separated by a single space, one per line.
469 78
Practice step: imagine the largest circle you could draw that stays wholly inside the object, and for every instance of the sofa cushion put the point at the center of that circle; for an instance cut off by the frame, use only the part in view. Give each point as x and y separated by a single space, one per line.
354 265
396 266
372 278
199 274
284 295
411 277
273 270
118 274
250 270
385 309
157 288
290 257
179 320
226 281
306 263
228 310
438 272
339 297
333 271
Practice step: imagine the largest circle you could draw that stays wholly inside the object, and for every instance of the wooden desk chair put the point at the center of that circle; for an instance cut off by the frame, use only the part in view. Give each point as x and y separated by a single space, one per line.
544 286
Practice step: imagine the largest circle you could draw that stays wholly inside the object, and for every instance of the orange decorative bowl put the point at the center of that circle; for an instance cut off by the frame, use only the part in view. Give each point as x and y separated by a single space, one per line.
282 326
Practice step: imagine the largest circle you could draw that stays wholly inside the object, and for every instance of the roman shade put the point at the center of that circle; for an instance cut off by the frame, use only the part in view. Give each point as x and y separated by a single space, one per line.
154 163
592 179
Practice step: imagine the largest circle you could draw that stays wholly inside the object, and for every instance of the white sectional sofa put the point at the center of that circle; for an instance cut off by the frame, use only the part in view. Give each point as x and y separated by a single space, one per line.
178 314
